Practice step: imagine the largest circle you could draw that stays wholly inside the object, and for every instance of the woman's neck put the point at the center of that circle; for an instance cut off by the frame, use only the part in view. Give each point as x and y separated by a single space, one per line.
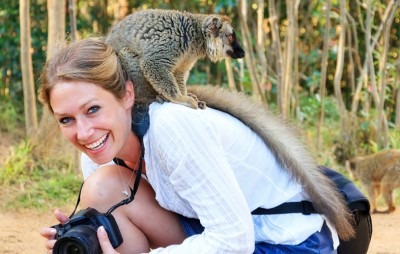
130 153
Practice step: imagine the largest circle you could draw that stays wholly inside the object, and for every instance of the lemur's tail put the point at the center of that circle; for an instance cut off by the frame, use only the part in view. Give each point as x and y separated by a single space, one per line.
284 142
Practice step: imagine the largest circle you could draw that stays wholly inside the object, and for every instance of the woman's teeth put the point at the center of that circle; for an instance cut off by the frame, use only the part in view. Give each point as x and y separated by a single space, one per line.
98 144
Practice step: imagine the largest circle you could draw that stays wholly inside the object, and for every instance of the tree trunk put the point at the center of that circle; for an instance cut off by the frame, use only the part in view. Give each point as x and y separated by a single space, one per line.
49 134
31 121
261 46
397 107
56 16
383 129
288 71
363 79
72 20
324 67
74 33
276 42
249 58
229 71
344 117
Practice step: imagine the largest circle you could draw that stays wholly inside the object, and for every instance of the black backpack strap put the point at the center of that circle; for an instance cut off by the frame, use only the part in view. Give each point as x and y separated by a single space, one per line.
140 119
304 207
356 201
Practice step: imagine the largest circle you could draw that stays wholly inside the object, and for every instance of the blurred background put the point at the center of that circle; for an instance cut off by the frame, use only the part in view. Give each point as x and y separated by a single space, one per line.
331 67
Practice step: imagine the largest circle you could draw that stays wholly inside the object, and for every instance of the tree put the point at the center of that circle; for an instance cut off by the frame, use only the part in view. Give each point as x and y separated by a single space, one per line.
31 122
249 56
324 67
48 133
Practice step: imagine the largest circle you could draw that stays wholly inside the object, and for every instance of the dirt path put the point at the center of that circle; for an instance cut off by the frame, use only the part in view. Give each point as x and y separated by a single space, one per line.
19 232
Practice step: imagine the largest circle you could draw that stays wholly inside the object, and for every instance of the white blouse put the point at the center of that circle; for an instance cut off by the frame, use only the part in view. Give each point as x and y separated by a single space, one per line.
208 165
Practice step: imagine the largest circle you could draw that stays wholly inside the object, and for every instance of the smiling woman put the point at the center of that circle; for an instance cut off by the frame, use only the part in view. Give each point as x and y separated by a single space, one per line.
93 122
203 179
84 87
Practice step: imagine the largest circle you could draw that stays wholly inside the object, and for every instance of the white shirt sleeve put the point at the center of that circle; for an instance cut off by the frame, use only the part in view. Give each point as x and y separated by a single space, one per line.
89 166
191 157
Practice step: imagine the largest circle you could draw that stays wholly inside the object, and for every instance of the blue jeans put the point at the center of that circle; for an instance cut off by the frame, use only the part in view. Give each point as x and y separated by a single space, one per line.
317 243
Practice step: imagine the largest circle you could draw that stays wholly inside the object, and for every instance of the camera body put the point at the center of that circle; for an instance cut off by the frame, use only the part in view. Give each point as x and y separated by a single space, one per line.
79 234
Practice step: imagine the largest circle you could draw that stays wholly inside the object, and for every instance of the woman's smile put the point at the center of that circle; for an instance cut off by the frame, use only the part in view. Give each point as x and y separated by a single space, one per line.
97 144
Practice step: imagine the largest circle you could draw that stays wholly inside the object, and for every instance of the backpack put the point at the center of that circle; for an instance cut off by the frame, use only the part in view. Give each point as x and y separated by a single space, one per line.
357 203
360 207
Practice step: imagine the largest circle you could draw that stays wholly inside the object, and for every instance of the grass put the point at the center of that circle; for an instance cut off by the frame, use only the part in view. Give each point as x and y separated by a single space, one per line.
30 183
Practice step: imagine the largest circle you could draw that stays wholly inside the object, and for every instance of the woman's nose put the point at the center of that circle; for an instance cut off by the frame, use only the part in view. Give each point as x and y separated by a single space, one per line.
84 129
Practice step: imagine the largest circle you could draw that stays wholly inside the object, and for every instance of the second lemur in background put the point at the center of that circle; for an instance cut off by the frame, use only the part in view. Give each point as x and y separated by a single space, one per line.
158 48
378 173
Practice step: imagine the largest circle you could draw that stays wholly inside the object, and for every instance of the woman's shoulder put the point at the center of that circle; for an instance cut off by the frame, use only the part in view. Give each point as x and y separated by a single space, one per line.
172 114
168 112
178 119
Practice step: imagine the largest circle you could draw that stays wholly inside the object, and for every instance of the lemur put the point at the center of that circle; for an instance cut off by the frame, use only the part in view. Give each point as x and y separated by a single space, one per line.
158 48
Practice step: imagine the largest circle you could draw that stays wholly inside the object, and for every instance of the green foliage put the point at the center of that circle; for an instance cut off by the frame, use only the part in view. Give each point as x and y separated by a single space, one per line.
394 138
10 68
10 117
26 182
310 108
9 39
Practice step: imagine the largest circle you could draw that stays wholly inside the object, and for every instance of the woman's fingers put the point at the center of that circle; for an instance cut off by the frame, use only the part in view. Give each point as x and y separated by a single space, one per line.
105 243
60 216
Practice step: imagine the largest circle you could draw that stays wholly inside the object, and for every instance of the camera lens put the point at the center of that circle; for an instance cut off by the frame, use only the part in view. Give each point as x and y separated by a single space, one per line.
81 239
73 247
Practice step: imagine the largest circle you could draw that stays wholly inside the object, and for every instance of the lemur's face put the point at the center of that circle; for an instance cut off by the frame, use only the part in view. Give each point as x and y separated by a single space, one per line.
232 47
222 41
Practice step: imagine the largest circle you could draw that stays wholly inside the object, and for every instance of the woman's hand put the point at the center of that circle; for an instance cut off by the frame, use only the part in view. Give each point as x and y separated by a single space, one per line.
105 243
49 233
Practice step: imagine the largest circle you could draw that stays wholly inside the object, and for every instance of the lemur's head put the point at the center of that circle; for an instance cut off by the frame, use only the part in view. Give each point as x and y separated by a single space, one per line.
221 39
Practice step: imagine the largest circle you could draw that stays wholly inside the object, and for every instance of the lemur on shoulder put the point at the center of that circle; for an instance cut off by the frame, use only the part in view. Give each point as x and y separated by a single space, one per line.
158 48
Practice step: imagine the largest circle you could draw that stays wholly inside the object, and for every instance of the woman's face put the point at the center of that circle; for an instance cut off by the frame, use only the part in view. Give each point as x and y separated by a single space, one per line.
92 119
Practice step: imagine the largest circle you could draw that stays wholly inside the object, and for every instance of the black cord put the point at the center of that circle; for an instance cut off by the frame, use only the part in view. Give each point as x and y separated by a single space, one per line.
137 181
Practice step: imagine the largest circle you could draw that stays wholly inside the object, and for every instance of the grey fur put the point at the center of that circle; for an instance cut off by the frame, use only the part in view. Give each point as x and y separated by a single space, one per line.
282 139
158 48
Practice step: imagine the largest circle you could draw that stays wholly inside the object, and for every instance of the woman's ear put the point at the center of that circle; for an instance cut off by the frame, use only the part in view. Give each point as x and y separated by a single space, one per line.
129 98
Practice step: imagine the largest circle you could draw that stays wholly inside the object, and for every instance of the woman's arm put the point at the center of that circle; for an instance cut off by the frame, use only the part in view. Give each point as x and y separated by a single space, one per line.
191 153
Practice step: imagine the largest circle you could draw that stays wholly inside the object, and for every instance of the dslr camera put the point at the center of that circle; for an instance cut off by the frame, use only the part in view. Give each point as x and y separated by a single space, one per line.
79 234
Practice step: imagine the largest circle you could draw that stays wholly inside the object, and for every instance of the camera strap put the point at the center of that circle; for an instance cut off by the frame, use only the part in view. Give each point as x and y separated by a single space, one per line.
137 181
140 125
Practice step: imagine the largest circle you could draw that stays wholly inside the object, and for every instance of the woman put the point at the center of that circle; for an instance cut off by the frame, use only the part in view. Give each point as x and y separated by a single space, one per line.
204 170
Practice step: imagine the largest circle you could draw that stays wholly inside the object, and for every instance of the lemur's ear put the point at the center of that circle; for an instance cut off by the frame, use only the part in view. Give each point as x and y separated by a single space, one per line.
350 164
212 26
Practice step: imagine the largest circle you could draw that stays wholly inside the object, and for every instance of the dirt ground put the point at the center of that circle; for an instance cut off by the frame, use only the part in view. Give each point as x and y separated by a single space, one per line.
19 230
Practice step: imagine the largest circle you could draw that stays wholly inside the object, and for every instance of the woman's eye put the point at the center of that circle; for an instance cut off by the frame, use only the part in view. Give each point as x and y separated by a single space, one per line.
65 120
93 109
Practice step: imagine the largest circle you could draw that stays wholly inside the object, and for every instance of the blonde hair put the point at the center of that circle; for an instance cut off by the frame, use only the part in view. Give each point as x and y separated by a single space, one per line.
90 60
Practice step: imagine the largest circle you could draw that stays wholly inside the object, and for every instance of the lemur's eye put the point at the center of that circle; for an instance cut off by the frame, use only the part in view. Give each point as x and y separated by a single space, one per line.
230 38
